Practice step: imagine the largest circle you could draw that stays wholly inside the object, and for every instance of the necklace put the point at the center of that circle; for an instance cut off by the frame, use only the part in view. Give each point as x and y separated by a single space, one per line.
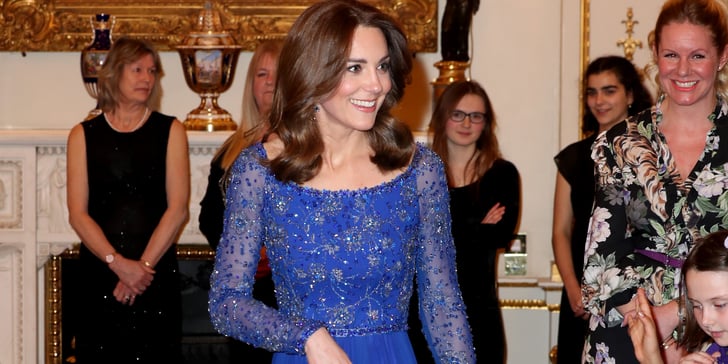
136 126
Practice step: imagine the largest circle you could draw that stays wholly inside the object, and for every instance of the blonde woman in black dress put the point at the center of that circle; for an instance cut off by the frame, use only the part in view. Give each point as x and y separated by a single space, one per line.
128 199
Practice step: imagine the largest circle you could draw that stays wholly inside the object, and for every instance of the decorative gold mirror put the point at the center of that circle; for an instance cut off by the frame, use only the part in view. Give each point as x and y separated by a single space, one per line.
63 25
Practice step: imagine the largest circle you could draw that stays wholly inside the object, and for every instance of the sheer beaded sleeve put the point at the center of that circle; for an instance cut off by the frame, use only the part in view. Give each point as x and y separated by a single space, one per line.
233 310
441 306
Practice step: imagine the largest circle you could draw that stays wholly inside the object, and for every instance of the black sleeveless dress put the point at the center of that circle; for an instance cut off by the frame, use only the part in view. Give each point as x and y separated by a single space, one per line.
575 164
127 198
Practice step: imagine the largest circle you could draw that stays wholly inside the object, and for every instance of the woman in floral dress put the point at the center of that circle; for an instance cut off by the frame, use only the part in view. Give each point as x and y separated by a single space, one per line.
661 183
613 90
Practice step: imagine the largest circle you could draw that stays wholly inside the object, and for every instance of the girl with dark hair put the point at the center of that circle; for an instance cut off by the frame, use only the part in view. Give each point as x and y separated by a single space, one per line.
704 310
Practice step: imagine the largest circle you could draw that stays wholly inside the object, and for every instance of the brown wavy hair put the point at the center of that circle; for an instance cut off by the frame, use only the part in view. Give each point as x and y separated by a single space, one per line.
486 147
708 255
314 57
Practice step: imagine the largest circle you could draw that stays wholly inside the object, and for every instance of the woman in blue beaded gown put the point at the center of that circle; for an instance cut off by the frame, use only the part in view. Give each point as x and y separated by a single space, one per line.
349 207
128 191
257 100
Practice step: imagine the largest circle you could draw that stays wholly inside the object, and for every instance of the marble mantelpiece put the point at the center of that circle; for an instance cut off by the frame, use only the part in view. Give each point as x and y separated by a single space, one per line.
34 227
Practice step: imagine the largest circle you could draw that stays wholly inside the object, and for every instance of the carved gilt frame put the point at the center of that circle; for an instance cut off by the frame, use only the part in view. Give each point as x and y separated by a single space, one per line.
54 289
64 25
584 11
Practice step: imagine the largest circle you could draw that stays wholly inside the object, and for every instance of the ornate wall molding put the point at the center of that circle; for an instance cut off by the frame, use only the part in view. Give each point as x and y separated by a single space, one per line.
11 194
523 304
44 153
51 207
64 25
35 234
11 278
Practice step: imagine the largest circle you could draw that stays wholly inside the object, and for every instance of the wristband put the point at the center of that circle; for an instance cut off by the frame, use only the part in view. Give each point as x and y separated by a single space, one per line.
667 342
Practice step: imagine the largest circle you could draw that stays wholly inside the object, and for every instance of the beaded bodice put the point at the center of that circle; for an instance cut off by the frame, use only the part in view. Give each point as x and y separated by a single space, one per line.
340 259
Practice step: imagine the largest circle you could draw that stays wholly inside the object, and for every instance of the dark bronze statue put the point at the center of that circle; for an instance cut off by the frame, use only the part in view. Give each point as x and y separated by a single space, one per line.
456 29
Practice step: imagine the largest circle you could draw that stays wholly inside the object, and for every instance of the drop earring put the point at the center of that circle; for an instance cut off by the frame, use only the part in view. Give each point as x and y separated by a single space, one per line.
316 109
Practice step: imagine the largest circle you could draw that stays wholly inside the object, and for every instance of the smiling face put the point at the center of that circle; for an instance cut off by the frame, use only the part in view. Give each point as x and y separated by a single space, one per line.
708 295
264 81
137 80
465 133
363 86
688 62
607 99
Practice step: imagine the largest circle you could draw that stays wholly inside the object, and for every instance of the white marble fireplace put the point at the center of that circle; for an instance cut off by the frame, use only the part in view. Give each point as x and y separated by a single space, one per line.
34 231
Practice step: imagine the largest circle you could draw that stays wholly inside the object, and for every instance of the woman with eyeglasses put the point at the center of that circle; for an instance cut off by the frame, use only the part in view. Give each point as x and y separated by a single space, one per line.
484 203
612 91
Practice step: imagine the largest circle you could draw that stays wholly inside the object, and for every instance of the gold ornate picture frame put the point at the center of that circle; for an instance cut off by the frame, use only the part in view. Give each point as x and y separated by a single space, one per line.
64 25
56 340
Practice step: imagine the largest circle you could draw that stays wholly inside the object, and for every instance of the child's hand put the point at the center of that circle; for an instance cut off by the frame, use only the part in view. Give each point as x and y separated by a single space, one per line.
700 358
643 332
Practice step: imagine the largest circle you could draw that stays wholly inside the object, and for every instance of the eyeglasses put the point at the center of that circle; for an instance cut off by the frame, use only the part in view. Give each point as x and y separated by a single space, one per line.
476 117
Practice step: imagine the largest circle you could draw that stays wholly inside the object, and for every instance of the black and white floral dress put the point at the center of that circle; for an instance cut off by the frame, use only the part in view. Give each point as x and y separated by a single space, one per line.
645 221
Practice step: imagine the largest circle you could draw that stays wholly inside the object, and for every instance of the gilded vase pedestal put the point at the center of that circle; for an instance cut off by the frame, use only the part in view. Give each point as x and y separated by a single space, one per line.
450 71
209 56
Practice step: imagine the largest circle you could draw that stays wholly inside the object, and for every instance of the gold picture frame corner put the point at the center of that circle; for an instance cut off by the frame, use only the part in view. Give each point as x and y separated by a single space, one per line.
64 25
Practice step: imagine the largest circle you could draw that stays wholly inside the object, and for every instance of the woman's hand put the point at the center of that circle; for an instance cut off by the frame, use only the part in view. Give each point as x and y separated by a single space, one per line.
322 349
133 274
495 214
577 306
124 294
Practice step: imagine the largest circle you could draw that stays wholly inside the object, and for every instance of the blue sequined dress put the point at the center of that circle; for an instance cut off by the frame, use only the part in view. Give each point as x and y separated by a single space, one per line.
343 260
